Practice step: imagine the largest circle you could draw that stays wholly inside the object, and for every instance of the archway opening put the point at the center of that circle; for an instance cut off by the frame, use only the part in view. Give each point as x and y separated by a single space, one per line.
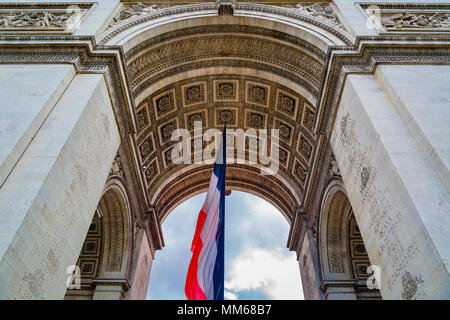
346 270
102 268
258 266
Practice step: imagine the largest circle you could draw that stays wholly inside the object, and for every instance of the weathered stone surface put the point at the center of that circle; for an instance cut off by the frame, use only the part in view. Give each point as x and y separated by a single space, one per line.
28 95
49 198
399 201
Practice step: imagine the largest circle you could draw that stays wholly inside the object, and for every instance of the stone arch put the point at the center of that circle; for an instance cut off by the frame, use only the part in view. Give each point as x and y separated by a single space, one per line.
342 253
116 210
193 180
167 52
105 258
332 233
284 55
325 31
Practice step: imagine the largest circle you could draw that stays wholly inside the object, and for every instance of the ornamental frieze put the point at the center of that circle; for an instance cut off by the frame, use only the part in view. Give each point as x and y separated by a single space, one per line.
51 17
228 45
133 10
408 17
323 11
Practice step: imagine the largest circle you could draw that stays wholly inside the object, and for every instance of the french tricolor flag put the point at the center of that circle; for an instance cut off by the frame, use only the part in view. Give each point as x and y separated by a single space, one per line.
205 278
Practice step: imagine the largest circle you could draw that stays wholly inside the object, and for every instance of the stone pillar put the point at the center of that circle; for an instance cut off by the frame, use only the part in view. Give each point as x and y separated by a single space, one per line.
62 138
390 139
143 267
307 256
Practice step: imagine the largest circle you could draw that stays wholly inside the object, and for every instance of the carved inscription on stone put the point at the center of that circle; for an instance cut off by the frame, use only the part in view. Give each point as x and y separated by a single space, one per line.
384 219
410 285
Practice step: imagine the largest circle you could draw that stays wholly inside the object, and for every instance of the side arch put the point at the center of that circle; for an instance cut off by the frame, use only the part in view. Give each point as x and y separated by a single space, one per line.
343 258
333 228
117 225
106 256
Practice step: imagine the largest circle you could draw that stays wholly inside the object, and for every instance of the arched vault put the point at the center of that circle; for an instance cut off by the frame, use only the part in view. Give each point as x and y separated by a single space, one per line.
249 71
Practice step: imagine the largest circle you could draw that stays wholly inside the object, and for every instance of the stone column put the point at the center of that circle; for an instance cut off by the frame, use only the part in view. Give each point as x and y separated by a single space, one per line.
143 267
390 139
307 257
60 143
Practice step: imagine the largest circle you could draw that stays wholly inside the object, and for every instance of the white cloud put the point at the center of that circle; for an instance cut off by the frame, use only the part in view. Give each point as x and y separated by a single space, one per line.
271 271
263 209
230 295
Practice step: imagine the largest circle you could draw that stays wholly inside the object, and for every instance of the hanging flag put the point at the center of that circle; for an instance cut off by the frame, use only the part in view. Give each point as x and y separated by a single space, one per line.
205 278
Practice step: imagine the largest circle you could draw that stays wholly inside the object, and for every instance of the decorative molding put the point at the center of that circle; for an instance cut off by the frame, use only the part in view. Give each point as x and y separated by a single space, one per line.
267 54
239 8
372 52
125 285
338 284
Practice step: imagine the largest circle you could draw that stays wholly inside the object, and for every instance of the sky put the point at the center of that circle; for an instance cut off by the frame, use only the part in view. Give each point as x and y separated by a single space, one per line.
257 263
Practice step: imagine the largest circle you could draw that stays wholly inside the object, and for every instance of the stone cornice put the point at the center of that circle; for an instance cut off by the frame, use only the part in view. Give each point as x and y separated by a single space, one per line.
338 284
363 59
112 282
299 226
152 224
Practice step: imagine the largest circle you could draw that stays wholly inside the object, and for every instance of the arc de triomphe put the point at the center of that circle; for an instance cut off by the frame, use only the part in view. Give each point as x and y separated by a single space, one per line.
92 91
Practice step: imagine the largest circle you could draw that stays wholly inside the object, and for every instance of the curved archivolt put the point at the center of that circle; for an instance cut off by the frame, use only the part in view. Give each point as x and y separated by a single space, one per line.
246 71
193 180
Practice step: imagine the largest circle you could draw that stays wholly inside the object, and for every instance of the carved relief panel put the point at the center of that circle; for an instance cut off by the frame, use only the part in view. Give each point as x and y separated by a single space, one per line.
42 17
408 18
